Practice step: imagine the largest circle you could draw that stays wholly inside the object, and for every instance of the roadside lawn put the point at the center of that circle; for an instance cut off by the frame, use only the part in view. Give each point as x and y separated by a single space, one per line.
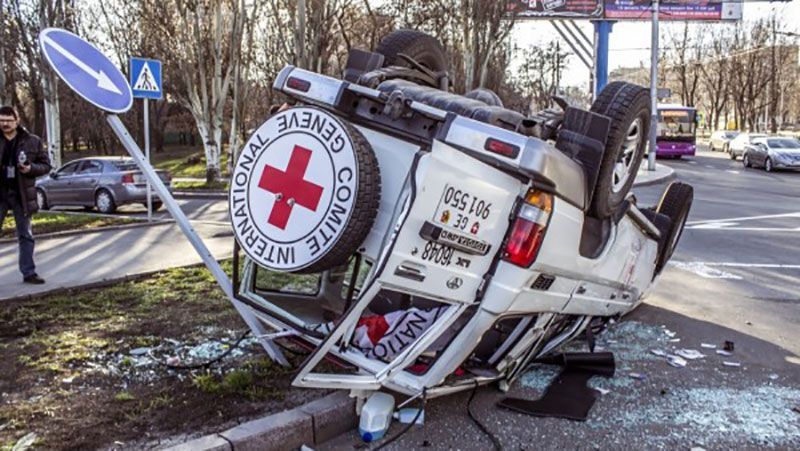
199 186
91 369
180 161
48 222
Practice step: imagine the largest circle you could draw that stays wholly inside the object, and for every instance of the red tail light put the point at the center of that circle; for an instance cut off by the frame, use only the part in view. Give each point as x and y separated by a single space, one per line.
501 148
527 232
127 179
298 84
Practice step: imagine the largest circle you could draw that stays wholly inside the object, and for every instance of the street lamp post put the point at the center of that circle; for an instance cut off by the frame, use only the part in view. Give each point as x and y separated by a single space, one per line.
651 158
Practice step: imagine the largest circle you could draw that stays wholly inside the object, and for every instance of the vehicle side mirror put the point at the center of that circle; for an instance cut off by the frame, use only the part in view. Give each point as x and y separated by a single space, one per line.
54 175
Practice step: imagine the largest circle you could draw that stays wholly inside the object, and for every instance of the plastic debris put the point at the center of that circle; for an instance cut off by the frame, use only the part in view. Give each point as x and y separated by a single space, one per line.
659 352
68 380
408 414
676 361
724 353
603 391
708 345
174 360
674 340
728 346
637 376
691 354
773 376
733 364
26 442
139 351
669 333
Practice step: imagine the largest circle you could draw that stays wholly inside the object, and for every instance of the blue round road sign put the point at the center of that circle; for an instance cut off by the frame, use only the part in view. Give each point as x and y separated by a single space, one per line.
86 70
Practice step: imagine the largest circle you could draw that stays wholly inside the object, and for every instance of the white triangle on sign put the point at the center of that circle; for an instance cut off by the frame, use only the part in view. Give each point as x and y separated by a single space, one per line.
146 81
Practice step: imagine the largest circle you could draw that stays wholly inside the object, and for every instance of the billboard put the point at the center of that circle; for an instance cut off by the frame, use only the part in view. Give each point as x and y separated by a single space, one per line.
557 9
673 10
702 10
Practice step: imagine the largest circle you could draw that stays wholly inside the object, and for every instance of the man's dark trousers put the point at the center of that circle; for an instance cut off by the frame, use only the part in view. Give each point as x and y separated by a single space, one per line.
24 234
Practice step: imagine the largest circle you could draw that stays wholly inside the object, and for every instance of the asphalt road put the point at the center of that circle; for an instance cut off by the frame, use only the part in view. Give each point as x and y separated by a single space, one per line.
204 210
735 277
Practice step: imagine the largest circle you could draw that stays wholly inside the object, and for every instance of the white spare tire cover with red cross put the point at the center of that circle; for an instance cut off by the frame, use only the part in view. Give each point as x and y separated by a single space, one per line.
305 192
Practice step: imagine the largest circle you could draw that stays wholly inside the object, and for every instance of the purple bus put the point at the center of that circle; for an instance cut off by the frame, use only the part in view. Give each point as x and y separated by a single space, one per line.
677 128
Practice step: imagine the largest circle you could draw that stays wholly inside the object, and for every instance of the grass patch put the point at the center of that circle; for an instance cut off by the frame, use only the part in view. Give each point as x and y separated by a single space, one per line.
187 162
200 186
67 370
124 396
47 222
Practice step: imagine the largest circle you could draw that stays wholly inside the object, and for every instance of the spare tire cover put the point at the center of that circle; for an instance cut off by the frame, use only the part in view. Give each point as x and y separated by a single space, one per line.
304 192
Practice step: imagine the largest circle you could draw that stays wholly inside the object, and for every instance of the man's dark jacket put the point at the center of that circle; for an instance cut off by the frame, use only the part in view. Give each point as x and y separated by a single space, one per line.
40 165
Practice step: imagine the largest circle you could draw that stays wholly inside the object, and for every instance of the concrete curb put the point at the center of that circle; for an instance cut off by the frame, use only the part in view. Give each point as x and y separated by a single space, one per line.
211 195
312 423
669 174
64 233
86 286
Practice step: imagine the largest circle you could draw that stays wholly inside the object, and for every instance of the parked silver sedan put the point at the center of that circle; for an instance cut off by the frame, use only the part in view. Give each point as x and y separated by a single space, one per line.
721 138
98 182
771 153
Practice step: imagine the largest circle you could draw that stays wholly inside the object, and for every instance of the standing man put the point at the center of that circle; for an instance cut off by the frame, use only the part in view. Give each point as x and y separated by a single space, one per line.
22 159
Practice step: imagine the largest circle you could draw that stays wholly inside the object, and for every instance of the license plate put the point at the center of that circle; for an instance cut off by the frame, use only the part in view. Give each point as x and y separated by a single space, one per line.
462 210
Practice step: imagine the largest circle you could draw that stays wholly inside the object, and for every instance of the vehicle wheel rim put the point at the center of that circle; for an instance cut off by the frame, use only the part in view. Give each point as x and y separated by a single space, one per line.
768 166
745 161
40 199
622 169
103 202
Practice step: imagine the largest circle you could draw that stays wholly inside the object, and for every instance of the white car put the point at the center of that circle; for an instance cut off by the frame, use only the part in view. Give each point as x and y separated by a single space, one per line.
773 152
737 145
425 242
720 140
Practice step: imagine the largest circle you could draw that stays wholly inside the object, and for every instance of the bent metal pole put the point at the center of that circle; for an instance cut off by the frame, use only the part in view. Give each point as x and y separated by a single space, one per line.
197 242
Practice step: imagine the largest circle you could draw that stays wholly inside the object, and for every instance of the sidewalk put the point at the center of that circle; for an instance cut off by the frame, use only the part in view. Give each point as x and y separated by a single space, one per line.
661 174
91 258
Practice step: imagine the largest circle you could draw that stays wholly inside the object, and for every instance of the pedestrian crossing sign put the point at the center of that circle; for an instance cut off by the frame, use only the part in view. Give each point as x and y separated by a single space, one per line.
145 77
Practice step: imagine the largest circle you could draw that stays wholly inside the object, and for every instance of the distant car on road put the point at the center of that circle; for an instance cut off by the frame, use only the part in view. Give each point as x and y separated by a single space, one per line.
721 138
99 182
737 145
774 152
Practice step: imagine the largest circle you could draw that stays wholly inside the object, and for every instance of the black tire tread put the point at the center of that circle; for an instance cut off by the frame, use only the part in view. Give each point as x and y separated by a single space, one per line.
424 48
365 206
616 101
675 202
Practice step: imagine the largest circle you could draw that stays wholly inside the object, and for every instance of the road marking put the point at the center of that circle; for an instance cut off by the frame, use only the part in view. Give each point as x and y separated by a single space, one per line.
752 265
733 172
704 270
746 218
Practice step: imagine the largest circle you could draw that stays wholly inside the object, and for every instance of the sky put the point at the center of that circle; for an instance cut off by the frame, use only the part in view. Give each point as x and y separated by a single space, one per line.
630 41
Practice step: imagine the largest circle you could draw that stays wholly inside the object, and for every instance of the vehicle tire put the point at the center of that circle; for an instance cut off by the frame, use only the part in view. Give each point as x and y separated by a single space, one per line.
486 96
104 202
156 205
628 107
368 198
768 165
745 161
732 154
675 203
41 199
420 46
364 193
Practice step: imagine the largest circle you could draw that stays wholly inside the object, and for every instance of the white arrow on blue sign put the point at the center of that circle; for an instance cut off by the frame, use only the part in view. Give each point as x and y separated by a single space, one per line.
86 70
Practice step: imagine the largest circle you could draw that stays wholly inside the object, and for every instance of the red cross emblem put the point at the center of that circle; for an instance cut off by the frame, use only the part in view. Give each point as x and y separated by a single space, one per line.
290 187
